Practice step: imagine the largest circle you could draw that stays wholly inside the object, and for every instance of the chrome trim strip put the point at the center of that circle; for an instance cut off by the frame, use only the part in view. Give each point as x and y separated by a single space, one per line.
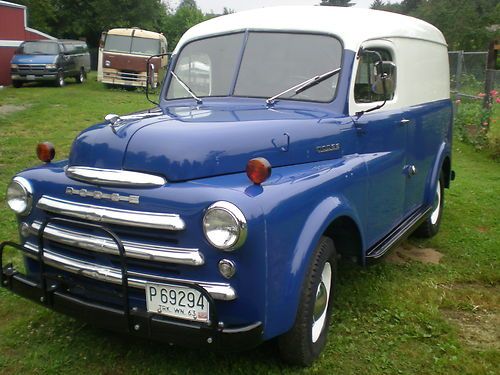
166 254
219 291
114 177
150 220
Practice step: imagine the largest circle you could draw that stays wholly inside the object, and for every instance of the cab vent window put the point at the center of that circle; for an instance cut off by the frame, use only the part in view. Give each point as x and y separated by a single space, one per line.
365 77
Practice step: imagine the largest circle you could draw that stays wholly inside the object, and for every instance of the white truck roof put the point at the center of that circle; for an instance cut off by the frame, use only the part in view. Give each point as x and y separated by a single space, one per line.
352 25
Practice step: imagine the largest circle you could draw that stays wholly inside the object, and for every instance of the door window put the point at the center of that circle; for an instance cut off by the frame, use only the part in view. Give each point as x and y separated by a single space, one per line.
366 75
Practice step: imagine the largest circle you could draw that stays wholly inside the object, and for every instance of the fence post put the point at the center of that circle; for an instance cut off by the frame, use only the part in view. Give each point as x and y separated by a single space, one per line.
490 73
458 74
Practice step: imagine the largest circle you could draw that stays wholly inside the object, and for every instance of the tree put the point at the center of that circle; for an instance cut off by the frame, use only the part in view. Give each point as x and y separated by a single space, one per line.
89 18
378 4
465 24
337 3
175 24
188 3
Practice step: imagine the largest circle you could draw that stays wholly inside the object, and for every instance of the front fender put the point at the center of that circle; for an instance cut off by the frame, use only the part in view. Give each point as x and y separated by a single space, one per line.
301 211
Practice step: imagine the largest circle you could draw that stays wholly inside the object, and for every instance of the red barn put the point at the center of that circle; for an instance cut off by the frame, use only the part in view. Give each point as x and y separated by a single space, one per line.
13 31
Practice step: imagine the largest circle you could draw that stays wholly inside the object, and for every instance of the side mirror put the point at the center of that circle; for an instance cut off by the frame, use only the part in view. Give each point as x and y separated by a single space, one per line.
151 76
385 79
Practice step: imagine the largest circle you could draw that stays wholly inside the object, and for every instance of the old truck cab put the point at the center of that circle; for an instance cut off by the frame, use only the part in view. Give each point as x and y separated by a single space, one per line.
283 139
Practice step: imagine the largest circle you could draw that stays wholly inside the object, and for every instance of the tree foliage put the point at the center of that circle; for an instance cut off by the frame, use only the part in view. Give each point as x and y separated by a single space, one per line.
466 25
89 18
337 3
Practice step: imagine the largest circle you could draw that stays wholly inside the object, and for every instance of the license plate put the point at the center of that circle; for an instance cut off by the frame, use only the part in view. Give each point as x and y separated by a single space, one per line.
177 301
31 77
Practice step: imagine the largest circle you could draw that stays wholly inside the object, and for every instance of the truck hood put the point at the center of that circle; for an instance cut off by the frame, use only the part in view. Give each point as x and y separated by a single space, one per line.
34 59
184 143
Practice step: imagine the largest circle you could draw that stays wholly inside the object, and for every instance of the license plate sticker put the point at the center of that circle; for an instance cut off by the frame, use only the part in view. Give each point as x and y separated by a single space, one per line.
177 301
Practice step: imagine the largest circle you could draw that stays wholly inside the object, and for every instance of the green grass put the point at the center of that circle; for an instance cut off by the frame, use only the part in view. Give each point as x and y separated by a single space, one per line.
388 318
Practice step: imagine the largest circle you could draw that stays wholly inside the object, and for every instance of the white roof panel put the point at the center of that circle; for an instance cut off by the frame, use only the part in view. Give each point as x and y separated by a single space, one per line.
352 25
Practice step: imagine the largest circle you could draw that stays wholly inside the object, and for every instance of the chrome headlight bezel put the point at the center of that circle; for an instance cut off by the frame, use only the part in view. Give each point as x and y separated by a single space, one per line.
234 214
23 186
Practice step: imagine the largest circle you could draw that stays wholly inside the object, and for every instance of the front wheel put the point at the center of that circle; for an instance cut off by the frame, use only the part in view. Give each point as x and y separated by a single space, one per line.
17 84
430 226
307 338
80 78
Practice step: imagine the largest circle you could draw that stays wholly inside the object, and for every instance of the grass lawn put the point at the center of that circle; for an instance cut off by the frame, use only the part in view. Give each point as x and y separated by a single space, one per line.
399 317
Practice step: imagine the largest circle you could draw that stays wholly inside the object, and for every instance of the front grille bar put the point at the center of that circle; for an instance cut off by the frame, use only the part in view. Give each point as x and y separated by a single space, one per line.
150 220
218 291
114 237
165 254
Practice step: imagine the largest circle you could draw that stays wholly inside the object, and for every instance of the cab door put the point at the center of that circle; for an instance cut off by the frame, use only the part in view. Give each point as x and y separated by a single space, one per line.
382 140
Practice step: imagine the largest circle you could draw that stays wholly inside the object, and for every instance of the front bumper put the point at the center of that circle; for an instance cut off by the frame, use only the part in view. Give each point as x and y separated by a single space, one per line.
45 76
132 320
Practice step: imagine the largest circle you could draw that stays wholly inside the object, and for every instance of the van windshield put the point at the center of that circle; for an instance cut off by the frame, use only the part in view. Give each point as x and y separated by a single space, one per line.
133 45
271 62
39 48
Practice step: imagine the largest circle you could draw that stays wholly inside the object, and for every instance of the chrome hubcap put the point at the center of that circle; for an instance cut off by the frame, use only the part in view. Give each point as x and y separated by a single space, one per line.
321 302
436 205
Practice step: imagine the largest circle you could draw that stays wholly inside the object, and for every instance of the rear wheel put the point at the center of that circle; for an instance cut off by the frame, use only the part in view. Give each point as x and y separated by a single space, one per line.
17 84
59 82
430 226
307 338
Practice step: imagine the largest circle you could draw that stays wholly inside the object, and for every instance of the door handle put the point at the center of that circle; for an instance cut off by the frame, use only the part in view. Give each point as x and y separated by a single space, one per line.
405 121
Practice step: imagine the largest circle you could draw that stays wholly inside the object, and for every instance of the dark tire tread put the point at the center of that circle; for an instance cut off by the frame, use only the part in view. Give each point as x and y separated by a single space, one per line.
296 346
427 229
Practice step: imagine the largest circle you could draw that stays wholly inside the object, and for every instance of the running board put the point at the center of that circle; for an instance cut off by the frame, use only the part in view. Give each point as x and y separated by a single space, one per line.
400 233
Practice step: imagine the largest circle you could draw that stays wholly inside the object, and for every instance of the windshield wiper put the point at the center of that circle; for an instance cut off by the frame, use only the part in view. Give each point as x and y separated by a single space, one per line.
186 87
307 84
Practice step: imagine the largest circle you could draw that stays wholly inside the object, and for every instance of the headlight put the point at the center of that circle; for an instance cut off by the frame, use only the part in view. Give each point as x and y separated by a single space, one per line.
50 66
13 66
20 196
225 226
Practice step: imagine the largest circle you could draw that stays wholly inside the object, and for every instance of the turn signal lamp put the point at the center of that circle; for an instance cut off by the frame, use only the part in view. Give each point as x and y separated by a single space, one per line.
45 151
258 170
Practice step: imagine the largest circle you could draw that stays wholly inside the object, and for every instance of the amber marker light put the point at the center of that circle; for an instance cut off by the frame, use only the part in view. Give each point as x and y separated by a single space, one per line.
258 170
45 151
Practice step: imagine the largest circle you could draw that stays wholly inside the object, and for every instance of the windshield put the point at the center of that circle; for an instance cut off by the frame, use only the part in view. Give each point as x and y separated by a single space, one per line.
271 63
39 48
133 45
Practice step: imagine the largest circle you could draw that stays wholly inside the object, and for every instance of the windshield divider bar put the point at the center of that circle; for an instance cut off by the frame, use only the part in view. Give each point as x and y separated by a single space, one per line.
240 60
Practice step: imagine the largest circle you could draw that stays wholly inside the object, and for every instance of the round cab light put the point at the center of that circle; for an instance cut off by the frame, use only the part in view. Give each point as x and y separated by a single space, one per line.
258 170
45 152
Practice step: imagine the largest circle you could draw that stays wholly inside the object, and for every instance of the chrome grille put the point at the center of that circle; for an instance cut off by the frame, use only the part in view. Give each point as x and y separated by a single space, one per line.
30 67
85 251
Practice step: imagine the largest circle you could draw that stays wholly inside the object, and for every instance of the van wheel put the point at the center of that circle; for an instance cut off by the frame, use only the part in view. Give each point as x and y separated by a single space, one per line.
80 78
430 226
59 80
17 84
307 338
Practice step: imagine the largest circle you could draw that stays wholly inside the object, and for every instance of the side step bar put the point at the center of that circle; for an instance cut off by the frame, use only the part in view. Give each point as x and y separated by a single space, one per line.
399 233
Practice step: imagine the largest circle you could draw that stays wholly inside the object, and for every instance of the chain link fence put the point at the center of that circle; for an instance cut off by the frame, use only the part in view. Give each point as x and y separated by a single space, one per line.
468 73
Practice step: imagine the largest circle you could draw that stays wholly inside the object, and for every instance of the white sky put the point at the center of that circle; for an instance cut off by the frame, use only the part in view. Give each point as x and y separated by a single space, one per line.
217 5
